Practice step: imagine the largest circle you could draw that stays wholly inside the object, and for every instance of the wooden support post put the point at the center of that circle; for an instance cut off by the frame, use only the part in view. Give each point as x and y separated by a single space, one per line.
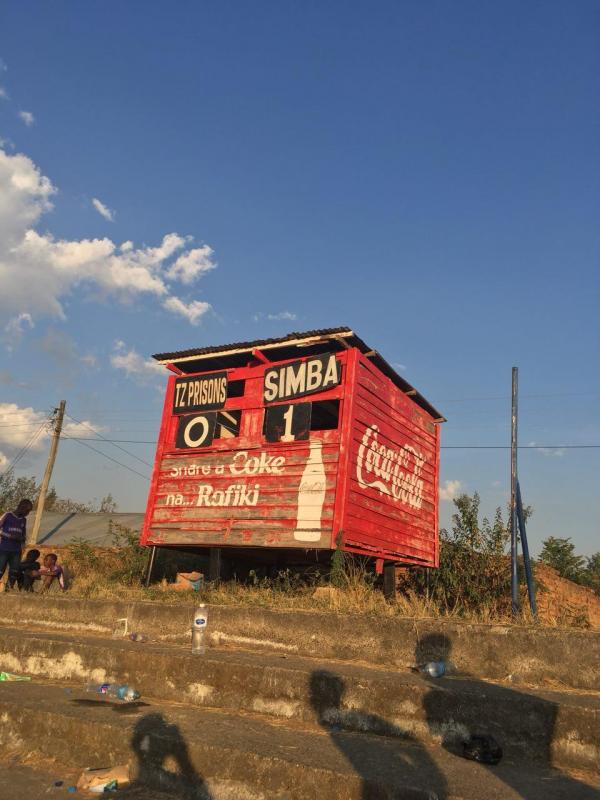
151 560
214 564
526 559
57 421
389 581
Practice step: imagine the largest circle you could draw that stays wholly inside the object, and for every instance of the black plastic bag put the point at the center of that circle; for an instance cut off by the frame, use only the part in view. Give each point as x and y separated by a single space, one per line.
483 748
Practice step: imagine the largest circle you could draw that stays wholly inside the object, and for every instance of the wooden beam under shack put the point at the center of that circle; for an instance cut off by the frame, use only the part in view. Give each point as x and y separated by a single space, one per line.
342 341
259 356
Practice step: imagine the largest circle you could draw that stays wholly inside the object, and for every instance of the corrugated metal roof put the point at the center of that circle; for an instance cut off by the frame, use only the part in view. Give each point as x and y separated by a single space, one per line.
58 529
228 356
226 348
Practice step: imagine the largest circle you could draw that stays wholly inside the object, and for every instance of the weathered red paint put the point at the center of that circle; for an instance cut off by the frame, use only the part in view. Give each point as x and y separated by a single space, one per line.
381 465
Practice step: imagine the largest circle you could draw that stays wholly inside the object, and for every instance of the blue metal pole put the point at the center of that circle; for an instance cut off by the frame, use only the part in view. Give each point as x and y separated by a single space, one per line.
526 559
514 578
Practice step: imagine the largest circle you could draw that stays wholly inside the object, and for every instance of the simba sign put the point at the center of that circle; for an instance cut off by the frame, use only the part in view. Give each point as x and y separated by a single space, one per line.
300 378
395 473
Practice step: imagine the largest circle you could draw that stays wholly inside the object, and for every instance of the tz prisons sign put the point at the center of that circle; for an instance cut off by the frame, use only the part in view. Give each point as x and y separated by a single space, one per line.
299 378
200 394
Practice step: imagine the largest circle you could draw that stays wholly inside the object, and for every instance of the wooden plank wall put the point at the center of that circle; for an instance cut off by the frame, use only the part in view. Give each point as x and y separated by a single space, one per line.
239 491
391 499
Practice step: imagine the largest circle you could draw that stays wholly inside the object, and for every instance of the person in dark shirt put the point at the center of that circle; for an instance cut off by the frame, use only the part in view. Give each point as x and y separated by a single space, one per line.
23 576
13 532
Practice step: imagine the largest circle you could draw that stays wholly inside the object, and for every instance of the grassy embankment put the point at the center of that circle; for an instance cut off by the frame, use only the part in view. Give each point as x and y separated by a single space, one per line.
118 574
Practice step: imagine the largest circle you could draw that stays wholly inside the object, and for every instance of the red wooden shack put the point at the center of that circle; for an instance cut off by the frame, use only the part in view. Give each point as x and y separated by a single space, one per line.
295 444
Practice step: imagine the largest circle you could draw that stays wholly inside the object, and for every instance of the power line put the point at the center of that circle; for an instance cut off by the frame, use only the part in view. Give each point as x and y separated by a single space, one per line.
110 458
443 447
520 447
113 442
22 424
32 439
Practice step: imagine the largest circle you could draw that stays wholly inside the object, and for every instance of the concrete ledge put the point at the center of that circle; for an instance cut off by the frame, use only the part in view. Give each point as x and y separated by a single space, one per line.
186 749
558 728
499 652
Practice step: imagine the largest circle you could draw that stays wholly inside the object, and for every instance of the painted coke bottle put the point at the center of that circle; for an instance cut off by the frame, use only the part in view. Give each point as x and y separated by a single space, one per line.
311 496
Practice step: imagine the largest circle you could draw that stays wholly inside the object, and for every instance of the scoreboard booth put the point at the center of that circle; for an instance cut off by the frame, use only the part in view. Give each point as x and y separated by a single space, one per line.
280 450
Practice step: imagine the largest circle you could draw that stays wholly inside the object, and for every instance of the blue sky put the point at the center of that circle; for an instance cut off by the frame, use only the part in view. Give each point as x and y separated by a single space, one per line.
425 173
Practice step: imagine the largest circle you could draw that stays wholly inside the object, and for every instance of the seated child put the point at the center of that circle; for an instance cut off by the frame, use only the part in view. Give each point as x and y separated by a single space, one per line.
22 575
49 572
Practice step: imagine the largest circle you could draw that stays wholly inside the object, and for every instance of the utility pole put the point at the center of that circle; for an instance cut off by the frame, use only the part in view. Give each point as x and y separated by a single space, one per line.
514 580
57 422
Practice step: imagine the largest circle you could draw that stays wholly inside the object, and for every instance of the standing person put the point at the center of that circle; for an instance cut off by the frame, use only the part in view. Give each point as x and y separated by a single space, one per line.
13 532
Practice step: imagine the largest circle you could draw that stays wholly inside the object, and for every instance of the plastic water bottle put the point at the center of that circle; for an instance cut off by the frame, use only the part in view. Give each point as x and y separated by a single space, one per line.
114 691
435 669
198 630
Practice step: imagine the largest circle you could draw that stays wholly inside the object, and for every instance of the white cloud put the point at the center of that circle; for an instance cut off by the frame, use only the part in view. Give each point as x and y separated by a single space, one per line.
89 359
3 93
103 210
398 365
134 364
18 425
27 118
548 452
449 490
280 315
3 67
38 272
193 311
14 329
192 264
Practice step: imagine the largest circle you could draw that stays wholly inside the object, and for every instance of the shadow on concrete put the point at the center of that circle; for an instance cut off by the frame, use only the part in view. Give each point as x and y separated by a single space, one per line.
118 707
451 718
163 761
387 770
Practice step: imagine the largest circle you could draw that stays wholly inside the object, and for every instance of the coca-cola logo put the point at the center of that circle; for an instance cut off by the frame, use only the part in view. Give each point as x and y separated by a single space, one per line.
393 472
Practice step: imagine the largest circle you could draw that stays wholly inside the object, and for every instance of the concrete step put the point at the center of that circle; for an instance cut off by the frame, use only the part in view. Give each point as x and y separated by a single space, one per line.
37 779
189 751
559 728
528 654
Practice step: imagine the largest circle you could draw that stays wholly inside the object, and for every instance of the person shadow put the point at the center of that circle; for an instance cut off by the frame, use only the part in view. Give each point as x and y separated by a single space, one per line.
163 762
459 705
388 768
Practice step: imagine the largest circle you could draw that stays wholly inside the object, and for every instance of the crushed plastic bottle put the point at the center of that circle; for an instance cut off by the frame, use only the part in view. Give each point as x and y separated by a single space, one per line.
435 669
199 630
102 788
136 636
114 691
121 628
8 676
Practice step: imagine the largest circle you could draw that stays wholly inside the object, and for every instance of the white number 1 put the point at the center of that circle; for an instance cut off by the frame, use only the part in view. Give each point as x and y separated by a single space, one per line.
288 436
